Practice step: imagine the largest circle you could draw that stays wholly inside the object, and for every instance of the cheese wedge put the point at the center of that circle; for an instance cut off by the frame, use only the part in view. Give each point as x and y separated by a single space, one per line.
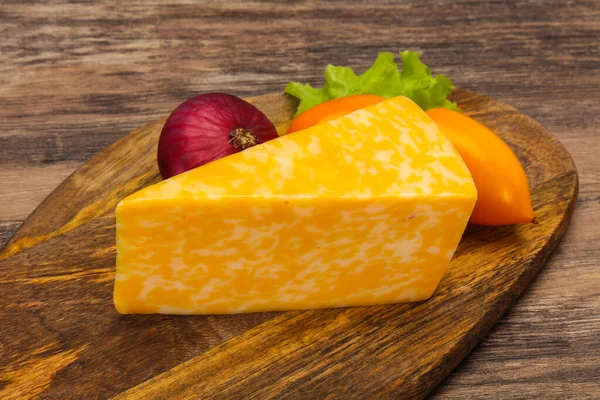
365 209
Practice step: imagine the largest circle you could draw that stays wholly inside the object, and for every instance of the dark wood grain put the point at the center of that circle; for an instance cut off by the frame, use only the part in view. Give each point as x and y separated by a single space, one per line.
59 271
76 76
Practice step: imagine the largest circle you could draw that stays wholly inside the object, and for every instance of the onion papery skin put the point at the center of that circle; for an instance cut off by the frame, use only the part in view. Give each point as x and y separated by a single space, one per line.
198 131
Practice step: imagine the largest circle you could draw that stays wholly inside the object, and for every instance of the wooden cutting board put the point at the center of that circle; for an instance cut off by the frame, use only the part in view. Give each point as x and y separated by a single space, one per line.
62 338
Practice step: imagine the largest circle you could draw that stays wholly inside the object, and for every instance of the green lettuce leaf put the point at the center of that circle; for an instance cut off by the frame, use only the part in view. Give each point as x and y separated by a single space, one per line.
340 82
308 95
384 79
420 86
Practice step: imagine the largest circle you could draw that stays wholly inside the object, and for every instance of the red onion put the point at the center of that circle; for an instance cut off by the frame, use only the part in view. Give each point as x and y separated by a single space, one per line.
208 127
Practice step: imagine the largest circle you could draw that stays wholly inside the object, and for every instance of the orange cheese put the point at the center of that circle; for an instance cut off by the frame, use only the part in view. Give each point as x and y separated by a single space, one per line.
365 209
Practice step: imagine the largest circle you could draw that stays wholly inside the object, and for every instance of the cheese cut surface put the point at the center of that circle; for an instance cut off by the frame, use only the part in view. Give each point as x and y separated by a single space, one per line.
366 209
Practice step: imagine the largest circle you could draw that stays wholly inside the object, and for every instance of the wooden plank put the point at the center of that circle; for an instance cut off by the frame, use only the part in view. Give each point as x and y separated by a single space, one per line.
88 73
25 188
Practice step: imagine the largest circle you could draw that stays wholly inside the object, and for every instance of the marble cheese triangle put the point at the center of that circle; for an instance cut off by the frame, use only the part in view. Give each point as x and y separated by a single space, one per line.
363 210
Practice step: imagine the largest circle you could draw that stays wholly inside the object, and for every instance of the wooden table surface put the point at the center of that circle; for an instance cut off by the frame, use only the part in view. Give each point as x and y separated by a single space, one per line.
77 75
